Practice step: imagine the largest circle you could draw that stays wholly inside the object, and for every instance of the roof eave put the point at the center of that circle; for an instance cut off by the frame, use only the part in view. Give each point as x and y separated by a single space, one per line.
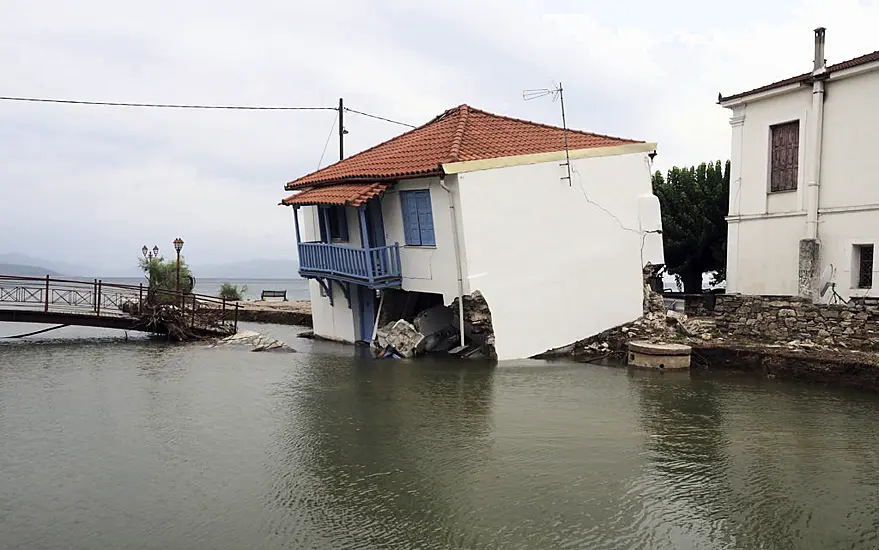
738 99
294 186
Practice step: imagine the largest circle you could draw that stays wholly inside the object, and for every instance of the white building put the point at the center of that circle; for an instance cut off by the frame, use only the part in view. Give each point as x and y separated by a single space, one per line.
475 201
804 199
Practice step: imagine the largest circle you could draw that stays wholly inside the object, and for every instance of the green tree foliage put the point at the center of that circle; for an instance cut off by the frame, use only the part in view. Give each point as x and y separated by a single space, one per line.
162 278
694 204
232 292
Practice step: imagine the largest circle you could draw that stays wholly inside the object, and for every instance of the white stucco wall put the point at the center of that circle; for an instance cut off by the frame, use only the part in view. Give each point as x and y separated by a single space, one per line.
850 159
554 267
334 323
425 268
765 228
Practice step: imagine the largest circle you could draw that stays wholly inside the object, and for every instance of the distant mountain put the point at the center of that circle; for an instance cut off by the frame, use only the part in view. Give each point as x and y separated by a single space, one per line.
20 270
54 268
249 269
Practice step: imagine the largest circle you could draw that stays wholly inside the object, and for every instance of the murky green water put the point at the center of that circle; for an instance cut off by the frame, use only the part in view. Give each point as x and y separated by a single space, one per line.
142 445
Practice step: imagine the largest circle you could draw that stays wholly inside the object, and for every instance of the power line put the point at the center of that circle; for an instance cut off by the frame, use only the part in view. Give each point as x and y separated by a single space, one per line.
324 152
168 105
197 106
379 117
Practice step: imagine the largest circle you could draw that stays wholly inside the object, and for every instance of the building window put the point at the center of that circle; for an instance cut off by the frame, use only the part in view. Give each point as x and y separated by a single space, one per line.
338 222
417 218
785 156
863 264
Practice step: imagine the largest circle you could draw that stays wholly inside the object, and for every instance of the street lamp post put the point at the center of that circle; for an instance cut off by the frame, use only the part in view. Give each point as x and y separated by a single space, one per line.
178 246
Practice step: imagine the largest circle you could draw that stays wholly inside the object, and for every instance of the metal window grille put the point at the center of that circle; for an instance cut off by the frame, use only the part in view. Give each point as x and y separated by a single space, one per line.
865 266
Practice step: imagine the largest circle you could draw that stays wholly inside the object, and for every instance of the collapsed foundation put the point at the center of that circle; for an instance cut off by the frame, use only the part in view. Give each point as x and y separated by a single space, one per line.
416 323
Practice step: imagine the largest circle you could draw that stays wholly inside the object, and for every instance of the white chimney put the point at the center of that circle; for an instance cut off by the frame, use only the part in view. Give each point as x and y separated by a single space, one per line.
820 64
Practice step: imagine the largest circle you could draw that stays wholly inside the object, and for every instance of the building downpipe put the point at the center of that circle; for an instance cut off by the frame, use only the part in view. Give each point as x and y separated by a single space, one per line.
454 218
810 247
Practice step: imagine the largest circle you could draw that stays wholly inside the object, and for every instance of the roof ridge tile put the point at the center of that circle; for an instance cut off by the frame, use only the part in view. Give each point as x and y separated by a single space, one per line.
463 116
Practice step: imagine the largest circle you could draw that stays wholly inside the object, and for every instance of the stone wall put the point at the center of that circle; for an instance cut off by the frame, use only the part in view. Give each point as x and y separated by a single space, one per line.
781 319
695 305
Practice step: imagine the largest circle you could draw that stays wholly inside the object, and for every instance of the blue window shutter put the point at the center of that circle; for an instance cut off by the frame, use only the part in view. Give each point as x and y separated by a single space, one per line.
343 222
410 218
425 219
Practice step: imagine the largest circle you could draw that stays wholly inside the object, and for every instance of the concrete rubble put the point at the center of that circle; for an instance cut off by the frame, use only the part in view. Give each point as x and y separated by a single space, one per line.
401 337
255 341
436 329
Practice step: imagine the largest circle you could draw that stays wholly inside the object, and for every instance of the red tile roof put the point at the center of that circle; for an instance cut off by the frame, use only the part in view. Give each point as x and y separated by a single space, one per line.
799 79
459 134
345 194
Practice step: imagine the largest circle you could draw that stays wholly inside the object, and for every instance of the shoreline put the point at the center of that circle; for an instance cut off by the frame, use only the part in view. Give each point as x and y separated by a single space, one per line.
713 349
294 312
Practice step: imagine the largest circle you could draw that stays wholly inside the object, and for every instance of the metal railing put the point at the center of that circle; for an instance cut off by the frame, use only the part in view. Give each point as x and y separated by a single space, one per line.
377 265
99 299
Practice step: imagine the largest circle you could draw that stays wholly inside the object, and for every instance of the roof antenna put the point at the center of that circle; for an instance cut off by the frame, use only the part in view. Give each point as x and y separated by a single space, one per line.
557 92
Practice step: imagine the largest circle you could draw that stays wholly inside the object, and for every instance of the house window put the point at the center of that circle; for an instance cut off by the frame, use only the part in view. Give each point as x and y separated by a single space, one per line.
417 218
863 264
785 156
338 222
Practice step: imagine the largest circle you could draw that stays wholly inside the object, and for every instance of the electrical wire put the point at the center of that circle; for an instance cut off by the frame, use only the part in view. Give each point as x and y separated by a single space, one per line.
166 105
324 152
379 118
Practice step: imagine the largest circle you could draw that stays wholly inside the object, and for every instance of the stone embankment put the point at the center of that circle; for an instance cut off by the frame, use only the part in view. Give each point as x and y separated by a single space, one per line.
784 318
276 312
779 337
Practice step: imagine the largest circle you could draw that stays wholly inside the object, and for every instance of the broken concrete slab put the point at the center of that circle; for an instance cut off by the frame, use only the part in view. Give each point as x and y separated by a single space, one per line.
404 338
433 320
255 341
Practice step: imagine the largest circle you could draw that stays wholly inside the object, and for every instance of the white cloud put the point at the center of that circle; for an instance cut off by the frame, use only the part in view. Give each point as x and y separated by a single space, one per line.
71 177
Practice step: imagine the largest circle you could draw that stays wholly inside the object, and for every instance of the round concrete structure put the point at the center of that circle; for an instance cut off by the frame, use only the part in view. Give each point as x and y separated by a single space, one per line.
659 356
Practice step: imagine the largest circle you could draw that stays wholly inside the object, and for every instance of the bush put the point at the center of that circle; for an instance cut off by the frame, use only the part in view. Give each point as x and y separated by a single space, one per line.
162 279
231 292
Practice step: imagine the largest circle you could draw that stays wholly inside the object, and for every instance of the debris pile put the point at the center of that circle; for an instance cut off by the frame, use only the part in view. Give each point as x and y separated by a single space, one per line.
437 329
255 341
401 337
658 324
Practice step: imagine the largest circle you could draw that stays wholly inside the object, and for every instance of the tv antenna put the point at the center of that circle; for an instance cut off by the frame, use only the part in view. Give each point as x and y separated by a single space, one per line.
557 92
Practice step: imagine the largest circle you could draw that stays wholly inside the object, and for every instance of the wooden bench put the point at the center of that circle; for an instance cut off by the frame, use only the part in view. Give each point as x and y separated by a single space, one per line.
274 294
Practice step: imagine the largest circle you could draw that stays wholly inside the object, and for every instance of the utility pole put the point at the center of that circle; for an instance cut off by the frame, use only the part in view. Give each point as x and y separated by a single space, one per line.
341 129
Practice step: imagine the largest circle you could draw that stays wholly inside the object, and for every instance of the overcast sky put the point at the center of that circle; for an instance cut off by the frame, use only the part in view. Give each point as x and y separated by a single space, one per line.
91 185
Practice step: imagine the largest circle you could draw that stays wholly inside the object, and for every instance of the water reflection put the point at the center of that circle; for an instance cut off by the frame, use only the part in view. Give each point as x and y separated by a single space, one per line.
383 452
139 444
751 471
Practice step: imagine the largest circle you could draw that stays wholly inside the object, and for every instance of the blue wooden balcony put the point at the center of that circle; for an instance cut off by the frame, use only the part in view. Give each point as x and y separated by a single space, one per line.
377 267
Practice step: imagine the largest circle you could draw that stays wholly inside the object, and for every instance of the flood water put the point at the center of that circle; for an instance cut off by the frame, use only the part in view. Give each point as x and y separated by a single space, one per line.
113 444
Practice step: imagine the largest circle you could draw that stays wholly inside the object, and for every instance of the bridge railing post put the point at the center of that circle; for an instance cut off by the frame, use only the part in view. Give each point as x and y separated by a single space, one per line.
236 317
46 297
98 308
140 301
95 297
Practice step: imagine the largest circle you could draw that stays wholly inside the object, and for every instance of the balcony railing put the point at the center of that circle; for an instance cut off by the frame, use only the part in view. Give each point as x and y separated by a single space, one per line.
376 267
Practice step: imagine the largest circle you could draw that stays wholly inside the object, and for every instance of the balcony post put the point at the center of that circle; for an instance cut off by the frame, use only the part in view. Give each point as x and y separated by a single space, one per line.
364 241
325 215
296 222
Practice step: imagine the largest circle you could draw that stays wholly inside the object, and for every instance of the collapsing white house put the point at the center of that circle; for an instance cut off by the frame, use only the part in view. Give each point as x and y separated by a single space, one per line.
473 201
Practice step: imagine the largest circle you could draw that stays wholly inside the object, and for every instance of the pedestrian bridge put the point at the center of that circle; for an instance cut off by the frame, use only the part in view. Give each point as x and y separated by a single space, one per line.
95 303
